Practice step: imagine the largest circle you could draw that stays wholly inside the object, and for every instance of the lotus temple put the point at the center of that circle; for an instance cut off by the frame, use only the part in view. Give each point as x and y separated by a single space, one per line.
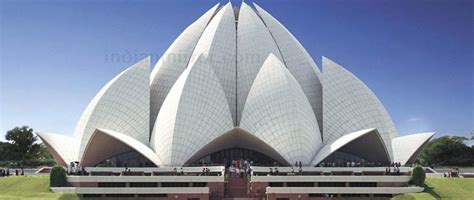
236 85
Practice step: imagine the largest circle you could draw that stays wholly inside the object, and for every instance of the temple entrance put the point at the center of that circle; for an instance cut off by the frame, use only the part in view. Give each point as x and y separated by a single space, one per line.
226 156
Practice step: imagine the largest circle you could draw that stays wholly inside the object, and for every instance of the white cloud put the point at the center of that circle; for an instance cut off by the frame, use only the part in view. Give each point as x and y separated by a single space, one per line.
414 119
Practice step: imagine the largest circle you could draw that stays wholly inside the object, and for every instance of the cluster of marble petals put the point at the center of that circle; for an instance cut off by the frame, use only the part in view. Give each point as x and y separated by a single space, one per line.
235 76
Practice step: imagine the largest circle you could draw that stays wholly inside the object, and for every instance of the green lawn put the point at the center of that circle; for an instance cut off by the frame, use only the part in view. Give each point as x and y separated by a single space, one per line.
31 187
443 188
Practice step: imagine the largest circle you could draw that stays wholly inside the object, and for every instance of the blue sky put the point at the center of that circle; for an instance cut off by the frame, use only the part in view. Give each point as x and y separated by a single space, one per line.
416 56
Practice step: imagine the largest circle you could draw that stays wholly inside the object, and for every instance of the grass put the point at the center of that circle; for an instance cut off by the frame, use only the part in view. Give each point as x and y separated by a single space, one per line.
443 188
30 187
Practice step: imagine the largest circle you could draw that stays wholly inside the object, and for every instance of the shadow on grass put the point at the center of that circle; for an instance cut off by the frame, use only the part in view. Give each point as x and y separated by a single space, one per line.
429 190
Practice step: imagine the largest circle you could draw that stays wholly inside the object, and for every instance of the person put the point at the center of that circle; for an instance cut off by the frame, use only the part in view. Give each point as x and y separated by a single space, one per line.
16 172
353 164
22 171
76 169
175 171
301 171
292 170
72 168
181 171
231 170
300 165
348 164
271 171
8 172
276 171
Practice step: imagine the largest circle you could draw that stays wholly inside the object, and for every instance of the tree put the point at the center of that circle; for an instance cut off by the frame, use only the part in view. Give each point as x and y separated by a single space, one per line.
447 151
5 153
418 176
57 177
23 147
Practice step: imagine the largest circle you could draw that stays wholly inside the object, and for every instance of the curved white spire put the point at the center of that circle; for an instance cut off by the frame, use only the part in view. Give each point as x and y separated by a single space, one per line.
107 143
254 44
406 148
194 113
63 148
217 44
349 105
174 61
123 105
298 62
278 112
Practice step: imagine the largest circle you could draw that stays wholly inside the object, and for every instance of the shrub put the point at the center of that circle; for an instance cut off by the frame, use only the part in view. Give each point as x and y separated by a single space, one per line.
418 176
57 177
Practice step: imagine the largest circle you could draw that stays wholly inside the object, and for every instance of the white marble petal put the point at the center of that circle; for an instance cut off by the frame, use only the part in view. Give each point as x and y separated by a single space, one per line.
365 143
174 61
278 113
217 43
406 148
107 143
63 148
194 113
298 62
123 105
254 44
349 106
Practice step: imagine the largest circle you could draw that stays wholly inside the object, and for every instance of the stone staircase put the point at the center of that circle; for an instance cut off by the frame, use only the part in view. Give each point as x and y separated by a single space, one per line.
236 188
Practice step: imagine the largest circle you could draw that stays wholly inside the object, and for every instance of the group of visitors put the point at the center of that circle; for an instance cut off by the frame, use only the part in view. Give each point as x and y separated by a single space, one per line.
176 173
454 172
205 172
351 164
240 168
274 172
396 168
6 172
75 168
299 166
